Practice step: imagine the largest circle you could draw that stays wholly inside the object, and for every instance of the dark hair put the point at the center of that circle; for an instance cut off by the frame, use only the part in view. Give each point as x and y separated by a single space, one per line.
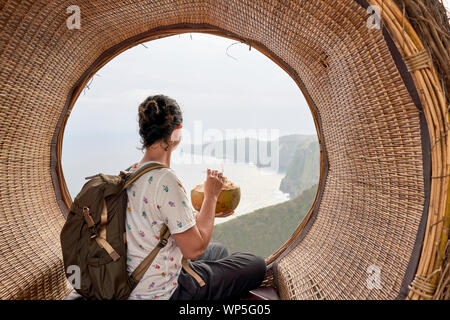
158 116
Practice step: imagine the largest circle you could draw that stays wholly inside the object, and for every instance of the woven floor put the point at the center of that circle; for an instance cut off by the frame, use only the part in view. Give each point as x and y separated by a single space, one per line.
382 131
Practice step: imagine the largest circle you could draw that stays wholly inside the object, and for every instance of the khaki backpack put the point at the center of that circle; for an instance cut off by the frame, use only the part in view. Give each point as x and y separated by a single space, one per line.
93 238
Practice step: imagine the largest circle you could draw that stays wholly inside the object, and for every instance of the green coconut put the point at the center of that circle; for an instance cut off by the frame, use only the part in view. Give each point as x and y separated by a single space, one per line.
228 199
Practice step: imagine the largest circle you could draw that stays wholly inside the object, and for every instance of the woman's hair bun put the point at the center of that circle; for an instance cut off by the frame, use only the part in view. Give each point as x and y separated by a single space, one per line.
158 116
155 114
152 105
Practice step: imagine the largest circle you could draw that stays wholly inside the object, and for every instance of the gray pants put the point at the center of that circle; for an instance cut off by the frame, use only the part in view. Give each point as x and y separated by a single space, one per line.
226 277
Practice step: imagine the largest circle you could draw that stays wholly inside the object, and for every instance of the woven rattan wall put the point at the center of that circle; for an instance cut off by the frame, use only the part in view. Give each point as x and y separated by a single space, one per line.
374 120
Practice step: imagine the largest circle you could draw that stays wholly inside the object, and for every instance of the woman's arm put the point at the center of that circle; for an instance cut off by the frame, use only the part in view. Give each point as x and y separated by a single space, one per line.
194 241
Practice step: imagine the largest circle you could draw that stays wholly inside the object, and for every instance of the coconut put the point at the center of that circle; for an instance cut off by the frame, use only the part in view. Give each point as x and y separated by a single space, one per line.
228 199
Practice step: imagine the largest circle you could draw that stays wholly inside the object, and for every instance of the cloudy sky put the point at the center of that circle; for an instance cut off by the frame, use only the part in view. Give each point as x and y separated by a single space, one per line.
218 86
218 83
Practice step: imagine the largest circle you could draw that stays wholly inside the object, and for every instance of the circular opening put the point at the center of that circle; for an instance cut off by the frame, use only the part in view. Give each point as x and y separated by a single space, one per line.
381 143
102 124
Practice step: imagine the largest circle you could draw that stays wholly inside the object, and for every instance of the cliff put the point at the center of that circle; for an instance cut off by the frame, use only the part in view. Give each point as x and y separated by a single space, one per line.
265 230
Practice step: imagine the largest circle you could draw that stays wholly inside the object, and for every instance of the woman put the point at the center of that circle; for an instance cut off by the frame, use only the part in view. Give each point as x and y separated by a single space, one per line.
158 198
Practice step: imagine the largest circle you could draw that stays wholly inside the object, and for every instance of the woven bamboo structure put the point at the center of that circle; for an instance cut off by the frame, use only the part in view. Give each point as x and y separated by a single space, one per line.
379 101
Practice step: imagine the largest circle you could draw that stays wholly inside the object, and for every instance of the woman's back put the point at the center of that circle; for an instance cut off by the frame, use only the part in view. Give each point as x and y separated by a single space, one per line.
155 199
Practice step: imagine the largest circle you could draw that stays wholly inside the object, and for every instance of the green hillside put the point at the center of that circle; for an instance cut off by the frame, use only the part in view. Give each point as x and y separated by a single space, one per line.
304 168
263 231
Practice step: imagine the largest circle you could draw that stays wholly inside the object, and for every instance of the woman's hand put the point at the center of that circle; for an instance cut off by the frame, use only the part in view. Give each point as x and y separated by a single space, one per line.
218 215
213 184
224 215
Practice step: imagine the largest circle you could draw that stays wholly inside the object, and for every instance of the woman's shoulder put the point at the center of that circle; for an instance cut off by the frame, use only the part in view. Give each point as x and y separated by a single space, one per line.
165 173
169 174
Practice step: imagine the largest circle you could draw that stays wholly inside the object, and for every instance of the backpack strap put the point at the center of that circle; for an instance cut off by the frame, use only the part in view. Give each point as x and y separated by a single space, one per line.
189 270
105 245
142 170
140 270
100 237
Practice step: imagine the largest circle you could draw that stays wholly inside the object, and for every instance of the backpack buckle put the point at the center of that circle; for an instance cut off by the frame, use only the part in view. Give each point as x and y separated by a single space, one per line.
93 232
90 222
162 243
124 175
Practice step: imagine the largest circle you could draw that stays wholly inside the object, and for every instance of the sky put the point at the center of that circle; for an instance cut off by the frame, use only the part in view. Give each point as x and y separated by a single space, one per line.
219 84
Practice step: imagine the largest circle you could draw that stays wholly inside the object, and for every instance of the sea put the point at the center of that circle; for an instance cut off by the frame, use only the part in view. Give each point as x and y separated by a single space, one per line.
259 186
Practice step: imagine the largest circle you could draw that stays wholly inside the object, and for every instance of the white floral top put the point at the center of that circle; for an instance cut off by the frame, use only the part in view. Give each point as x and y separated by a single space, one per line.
157 197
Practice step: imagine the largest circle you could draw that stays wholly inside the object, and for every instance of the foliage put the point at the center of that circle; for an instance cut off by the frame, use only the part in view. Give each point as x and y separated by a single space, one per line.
265 230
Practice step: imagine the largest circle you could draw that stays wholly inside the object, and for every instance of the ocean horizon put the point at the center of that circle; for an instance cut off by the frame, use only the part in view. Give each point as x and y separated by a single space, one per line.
259 186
